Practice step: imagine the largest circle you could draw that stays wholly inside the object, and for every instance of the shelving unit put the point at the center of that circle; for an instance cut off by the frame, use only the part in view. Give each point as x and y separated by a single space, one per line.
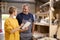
41 29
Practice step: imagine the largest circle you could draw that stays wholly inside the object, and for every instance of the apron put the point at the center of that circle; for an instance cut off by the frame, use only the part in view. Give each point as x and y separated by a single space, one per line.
27 35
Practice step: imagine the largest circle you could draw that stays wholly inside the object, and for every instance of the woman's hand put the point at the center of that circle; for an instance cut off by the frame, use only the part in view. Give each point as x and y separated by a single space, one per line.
14 30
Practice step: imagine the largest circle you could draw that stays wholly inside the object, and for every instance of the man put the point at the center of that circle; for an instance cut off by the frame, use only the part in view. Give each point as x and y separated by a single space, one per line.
23 17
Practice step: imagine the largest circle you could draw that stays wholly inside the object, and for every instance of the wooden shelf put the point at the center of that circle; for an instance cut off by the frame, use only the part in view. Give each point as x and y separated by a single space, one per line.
41 24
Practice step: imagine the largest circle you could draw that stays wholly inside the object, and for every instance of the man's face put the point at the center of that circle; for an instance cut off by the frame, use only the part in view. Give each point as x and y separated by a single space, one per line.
26 9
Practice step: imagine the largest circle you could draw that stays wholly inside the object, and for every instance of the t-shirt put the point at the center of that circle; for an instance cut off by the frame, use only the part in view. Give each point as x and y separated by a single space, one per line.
22 16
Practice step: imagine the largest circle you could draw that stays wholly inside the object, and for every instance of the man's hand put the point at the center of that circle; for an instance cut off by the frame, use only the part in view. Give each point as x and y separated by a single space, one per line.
21 25
33 27
26 28
23 30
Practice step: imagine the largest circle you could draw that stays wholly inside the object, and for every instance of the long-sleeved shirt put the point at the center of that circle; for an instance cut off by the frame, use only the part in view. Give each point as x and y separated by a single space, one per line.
10 24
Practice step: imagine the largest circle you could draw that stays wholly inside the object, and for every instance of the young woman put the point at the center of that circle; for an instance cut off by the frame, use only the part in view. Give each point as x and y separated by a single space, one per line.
11 26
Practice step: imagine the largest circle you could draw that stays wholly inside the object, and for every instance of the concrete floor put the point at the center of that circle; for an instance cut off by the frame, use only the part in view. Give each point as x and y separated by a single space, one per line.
2 33
1 36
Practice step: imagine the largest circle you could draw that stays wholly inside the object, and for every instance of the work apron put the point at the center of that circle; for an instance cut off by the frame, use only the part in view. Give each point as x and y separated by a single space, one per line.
27 35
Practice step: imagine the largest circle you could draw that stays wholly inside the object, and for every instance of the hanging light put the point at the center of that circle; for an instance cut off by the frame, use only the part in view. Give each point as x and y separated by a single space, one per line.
57 0
52 8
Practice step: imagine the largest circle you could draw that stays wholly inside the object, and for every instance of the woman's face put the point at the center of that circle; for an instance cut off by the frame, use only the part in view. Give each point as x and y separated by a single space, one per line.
15 13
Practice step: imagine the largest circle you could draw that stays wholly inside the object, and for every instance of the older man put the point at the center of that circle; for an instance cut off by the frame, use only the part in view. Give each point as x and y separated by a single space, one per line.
23 17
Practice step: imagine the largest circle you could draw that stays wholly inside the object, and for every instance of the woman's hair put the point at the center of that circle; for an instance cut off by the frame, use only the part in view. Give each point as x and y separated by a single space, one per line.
12 9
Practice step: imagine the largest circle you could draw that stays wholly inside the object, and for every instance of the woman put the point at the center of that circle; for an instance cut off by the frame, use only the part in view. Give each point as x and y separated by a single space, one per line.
11 26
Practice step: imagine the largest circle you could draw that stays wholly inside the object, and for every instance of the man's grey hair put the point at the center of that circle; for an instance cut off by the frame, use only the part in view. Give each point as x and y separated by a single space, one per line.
25 5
